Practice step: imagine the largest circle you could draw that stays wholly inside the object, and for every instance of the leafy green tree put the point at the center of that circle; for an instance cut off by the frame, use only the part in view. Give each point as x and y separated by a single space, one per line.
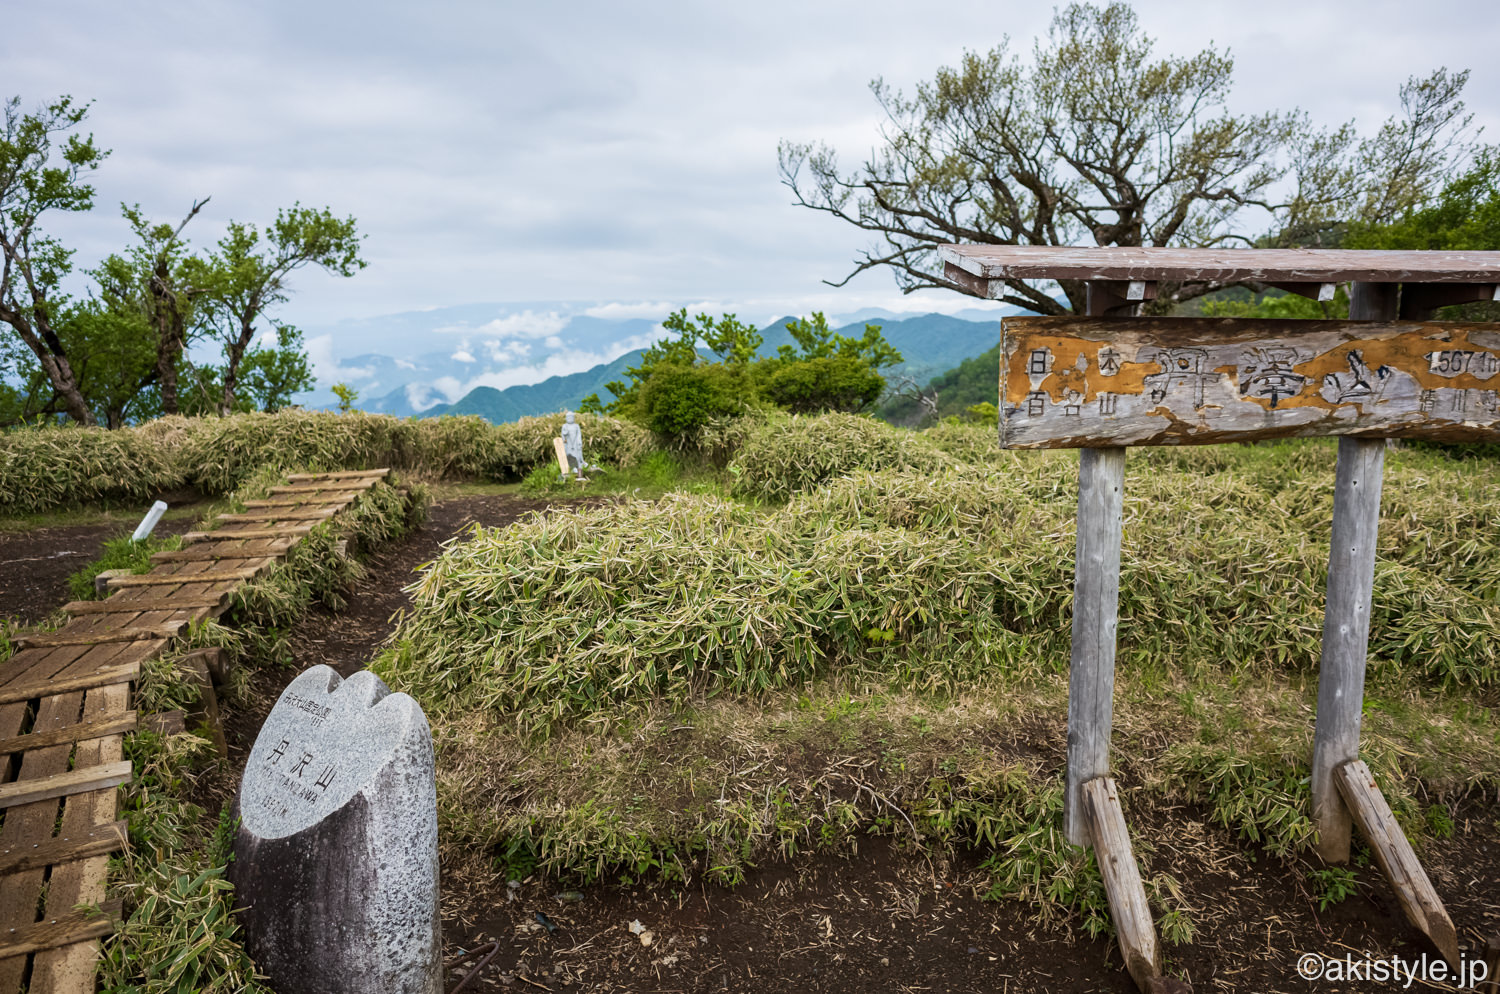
1095 140
41 169
269 377
347 395
827 371
249 276
677 387
734 342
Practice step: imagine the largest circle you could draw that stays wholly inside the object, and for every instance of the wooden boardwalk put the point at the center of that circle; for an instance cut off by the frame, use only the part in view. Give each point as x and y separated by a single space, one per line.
65 705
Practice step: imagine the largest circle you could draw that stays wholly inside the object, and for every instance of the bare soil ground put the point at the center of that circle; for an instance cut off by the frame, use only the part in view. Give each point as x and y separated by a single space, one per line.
35 564
886 917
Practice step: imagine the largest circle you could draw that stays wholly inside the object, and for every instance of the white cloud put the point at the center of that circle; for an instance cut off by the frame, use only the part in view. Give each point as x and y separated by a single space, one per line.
618 311
462 355
556 364
419 396
326 369
527 324
405 364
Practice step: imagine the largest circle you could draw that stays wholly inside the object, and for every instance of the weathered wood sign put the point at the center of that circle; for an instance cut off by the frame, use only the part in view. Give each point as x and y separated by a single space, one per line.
1093 382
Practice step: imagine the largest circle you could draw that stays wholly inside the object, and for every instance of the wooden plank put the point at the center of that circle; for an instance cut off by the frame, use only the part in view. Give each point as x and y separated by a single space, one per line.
208 702
1491 983
1122 882
319 488
21 892
290 514
1079 382
51 640
348 474
1346 616
63 784
122 673
98 840
1096 592
342 497
215 659
996 262
71 969
116 605
114 725
1394 856
215 551
191 537
177 579
62 930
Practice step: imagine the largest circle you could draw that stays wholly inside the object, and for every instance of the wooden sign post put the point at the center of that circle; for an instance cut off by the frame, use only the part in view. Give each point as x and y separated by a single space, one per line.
1101 383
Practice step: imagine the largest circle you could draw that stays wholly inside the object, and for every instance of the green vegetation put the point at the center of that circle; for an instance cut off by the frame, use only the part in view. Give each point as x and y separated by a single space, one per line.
694 685
120 356
45 468
676 392
119 553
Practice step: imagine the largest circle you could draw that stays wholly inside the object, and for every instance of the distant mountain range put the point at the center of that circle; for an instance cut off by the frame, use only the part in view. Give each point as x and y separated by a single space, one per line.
503 362
931 344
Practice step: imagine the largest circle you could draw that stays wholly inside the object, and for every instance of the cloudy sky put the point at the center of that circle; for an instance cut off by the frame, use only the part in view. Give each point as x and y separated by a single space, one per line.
618 153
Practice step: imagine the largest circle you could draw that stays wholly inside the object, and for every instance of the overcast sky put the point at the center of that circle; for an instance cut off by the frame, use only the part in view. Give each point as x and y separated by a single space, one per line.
588 151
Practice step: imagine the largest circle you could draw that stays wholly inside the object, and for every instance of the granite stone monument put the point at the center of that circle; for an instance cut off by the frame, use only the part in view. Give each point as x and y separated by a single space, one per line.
335 859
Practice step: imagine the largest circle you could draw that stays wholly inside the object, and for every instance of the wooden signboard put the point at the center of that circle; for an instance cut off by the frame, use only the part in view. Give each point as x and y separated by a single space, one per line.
1097 382
562 455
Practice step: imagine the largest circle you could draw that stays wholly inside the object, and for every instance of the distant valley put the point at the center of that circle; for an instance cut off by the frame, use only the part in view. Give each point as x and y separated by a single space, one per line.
538 361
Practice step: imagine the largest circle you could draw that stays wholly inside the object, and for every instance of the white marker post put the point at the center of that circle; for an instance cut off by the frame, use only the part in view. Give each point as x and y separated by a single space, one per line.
143 529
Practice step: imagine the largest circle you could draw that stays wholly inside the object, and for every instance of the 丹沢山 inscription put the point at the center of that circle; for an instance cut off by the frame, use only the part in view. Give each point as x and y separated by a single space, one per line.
1091 382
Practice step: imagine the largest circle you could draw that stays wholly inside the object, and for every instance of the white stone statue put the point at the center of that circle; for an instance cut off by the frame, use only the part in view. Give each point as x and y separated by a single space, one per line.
572 438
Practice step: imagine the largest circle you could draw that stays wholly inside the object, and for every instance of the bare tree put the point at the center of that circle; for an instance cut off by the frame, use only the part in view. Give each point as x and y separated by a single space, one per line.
1095 141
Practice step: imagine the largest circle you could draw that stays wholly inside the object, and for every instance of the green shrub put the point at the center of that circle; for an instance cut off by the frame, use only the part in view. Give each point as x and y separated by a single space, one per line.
675 399
780 456
824 383
50 467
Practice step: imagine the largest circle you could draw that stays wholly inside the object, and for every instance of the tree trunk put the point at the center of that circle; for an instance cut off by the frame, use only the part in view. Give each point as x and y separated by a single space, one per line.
237 348
49 352
169 338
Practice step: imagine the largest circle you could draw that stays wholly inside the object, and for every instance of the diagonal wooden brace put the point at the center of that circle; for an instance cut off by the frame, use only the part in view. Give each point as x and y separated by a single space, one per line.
1394 856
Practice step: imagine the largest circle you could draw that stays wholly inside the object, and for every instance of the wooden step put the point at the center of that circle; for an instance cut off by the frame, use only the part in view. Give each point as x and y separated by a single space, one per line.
347 474
101 840
216 536
314 488
64 930
214 551
117 724
66 784
342 497
24 691
53 640
115 605
290 514
178 579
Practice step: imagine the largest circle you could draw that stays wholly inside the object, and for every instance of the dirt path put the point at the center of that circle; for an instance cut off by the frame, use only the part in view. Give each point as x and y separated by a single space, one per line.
880 919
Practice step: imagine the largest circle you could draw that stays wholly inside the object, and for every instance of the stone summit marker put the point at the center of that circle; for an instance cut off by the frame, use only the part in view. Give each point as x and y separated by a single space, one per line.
335 860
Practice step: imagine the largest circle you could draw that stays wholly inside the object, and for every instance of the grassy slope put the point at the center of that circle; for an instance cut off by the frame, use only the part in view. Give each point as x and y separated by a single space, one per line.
692 686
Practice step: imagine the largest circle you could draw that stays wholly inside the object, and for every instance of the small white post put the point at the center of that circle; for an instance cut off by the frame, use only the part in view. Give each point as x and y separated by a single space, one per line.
149 521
